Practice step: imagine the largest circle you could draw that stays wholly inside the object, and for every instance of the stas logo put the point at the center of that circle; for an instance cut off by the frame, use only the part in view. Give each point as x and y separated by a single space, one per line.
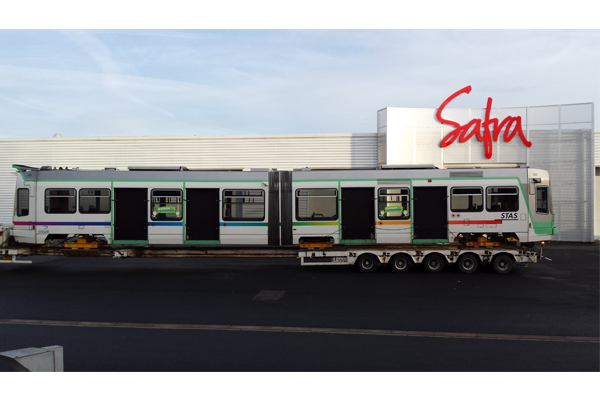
466 132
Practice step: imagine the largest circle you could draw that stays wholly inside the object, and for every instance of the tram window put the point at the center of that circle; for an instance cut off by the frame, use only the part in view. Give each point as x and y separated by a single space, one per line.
243 205
502 199
94 201
541 200
22 204
60 201
166 205
468 199
394 203
316 205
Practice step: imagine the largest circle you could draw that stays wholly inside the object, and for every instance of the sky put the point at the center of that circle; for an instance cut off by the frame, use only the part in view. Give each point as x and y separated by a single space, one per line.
147 82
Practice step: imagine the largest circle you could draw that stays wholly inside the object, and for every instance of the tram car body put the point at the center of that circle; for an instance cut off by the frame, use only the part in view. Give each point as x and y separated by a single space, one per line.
179 207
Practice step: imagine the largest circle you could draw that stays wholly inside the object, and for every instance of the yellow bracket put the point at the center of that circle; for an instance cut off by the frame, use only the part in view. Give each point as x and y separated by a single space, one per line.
84 242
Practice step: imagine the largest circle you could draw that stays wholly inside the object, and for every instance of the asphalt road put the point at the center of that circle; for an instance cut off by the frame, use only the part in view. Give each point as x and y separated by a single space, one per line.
243 314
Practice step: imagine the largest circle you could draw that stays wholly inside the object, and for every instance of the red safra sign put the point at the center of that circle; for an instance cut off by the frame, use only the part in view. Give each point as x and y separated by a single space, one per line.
466 132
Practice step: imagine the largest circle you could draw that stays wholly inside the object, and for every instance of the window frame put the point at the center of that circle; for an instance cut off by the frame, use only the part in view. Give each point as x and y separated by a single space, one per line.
547 199
46 210
232 219
152 202
467 187
93 213
487 205
17 209
379 195
335 217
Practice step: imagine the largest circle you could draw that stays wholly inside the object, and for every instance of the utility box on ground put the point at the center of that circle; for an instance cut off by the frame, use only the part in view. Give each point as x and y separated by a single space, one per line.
44 359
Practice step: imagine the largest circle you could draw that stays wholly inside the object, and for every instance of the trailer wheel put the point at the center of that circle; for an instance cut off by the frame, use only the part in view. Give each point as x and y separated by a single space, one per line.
401 263
366 263
468 263
503 264
433 263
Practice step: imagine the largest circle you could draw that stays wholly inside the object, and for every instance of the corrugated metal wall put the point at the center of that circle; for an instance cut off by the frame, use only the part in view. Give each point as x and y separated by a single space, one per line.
563 140
565 155
210 152
597 148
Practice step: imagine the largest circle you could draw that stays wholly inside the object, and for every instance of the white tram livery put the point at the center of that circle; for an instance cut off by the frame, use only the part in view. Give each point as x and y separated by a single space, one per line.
387 206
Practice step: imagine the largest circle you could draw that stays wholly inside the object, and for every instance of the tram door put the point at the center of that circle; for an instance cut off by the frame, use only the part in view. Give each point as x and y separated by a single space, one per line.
358 213
131 214
430 213
202 214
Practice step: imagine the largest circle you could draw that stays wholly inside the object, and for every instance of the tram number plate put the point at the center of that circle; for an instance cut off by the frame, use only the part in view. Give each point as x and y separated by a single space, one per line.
340 259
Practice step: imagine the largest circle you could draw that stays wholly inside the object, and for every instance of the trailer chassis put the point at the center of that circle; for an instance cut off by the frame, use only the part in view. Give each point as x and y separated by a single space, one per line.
366 258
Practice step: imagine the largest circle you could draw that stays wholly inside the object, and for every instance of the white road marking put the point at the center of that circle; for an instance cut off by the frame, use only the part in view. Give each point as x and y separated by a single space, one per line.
292 329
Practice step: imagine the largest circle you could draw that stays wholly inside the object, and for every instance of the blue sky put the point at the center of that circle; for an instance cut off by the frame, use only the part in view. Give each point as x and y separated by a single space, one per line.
219 82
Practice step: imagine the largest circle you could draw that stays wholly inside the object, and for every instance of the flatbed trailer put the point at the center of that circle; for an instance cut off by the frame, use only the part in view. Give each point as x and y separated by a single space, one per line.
400 258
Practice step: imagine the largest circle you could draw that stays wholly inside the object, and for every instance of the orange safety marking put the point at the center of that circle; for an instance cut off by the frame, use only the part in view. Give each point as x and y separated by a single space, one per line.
313 245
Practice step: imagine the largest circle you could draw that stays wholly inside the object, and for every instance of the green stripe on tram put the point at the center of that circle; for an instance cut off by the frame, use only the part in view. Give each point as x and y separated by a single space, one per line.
358 241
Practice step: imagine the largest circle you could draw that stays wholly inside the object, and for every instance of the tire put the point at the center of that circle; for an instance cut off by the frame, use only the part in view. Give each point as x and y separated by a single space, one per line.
366 263
503 264
401 263
468 263
434 263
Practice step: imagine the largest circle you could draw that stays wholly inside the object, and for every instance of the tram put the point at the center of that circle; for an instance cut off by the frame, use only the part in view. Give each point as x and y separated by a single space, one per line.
181 207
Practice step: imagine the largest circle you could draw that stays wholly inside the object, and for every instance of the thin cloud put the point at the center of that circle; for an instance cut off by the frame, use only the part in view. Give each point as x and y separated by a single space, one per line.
197 82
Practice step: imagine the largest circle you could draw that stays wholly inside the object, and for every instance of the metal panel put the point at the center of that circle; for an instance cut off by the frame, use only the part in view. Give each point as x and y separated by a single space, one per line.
566 155
274 208
382 137
469 174
597 204
597 148
286 208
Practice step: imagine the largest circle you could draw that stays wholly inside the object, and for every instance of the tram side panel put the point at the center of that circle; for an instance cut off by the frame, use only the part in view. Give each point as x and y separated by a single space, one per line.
24 217
315 210
540 206
140 212
316 204
244 214
438 213
66 208
393 212
491 207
